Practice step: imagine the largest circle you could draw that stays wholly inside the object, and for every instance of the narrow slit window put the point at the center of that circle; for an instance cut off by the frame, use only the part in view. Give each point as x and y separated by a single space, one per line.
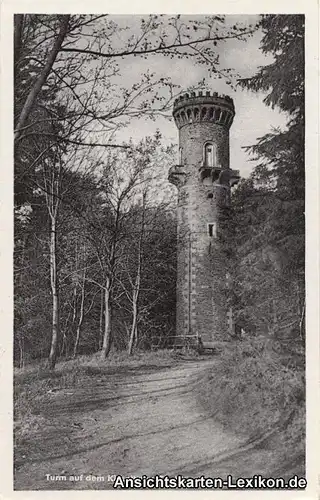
212 229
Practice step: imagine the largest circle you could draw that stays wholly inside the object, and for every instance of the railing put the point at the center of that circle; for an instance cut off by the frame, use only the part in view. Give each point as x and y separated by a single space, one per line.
193 341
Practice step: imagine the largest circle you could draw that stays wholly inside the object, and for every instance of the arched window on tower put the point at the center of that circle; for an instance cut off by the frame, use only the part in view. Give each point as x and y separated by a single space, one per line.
209 159
180 156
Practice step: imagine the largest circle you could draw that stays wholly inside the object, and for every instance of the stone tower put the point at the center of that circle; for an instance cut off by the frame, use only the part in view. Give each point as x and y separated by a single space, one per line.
203 178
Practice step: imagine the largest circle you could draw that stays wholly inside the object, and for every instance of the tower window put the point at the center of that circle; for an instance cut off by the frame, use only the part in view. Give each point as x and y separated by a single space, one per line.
209 155
212 229
210 195
180 156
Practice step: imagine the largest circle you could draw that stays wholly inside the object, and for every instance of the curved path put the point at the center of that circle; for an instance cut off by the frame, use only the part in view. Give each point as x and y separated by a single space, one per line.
146 422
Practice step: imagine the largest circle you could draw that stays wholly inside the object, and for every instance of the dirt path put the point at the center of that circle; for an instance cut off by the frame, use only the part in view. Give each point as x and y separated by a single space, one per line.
146 422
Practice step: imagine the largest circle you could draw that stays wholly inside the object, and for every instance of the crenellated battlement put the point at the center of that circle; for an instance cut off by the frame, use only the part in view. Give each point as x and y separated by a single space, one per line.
195 107
202 95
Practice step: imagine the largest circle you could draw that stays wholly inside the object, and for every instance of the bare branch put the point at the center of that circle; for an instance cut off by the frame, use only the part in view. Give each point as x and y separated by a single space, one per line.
158 48
77 143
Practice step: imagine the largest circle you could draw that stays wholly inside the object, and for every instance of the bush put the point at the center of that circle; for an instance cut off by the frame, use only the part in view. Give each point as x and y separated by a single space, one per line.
253 392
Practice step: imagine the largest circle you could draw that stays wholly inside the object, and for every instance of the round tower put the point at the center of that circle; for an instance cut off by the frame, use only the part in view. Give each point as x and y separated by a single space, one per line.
203 178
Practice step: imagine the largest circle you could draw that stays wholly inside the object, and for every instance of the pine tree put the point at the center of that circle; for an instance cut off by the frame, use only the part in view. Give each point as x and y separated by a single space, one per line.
269 207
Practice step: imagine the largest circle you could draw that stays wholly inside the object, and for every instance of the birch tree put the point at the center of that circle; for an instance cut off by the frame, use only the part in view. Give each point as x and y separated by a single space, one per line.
136 284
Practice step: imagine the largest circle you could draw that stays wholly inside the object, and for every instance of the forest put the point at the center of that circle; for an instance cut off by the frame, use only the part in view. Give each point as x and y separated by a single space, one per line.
94 216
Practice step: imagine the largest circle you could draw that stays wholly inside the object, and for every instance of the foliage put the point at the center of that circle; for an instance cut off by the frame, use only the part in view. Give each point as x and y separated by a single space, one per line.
97 234
268 208
255 392
258 387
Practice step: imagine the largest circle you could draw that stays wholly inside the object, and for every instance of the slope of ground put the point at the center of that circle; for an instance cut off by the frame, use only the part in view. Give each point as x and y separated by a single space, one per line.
133 421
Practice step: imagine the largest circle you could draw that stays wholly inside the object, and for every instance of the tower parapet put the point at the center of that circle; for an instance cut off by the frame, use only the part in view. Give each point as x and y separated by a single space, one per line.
203 107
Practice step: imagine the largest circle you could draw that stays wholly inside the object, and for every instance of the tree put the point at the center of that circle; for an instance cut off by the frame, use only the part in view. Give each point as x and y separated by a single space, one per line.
69 104
106 219
45 70
269 208
53 186
147 273
79 56
136 284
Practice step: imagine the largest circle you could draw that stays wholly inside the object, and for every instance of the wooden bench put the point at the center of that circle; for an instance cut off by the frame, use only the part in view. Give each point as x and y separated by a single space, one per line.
208 346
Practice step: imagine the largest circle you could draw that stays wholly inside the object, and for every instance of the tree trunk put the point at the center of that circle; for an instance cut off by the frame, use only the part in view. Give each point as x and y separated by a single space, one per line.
133 334
101 321
55 296
135 340
34 92
274 316
302 321
107 338
21 349
76 344
18 29
74 307
136 291
64 348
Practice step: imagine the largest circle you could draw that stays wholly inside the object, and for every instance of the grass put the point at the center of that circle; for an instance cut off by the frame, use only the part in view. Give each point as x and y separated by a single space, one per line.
253 391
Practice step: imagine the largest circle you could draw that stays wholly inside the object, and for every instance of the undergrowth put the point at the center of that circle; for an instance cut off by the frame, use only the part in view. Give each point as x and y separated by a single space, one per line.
254 390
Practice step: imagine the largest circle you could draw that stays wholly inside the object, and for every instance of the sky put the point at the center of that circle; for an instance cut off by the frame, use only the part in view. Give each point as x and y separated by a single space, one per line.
253 118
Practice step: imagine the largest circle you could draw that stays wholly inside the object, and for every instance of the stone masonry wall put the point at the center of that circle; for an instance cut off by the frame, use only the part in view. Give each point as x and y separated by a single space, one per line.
201 307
